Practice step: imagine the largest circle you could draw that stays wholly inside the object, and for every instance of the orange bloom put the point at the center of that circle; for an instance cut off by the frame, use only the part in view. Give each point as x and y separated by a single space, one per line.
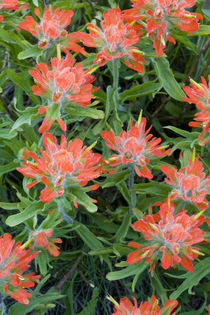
161 16
61 82
51 28
10 5
115 40
169 235
61 164
146 308
14 261
136 147
199 94
43 239
190 183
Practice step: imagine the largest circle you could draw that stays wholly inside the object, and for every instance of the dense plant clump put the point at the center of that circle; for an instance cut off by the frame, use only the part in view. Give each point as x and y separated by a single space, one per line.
104 155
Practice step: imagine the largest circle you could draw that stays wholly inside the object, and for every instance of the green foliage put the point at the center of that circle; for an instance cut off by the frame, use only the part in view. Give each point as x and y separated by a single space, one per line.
96 225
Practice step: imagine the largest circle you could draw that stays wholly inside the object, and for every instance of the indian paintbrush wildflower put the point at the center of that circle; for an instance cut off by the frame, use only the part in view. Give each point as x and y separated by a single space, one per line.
115 40
168 236
14 261
189 183
42 238
126 307
51 29
136 146
10 5
61 82
60 164
161 16
199 94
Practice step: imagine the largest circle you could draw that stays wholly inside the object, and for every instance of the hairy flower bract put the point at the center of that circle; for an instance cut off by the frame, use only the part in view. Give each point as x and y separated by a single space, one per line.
14 261
168 236
59 164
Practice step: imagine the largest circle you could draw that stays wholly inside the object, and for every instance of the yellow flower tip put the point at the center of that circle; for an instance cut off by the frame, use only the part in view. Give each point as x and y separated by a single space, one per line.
133 22
89 148
93 29
110 298
50 142
189 15
193 156
59 52
93 69
163 147
198 214
139 119
153 227
145 254
26 243
197 252
197 84
137 51
154 305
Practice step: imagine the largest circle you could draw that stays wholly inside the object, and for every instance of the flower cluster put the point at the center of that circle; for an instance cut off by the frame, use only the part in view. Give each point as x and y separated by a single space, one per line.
61 82
199 94
43 239
115 40
136 146
10 5
125 307
51 28
161 16
169 235
60 164
189 182
14 261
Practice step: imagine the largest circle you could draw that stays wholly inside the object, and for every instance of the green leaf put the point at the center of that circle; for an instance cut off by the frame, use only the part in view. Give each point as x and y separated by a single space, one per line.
183 133
203 30
22 80
9 206
90 308
140 90
30 211
29 114
83 199
127 272
8 168
123 229
192 278
35 303
153 188
167 79
30 52
87 236
115 178
9 37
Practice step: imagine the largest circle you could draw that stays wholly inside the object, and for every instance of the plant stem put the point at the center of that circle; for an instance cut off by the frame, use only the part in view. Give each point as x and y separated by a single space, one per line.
115 73
131 186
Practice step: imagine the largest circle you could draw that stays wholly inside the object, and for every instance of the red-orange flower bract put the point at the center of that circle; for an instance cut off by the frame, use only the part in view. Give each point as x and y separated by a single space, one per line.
125 307
161 16
60 164
190 183
115 40
10 5
136 146
199 94
43 239
169 235
51 29
14 261
61 82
